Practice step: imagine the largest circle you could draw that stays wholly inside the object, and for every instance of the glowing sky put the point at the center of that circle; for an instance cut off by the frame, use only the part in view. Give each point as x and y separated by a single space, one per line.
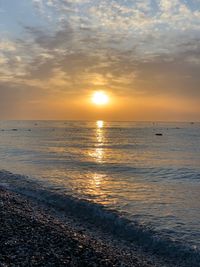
55 53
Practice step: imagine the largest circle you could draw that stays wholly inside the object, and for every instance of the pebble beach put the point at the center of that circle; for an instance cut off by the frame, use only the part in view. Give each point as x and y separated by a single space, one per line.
34 235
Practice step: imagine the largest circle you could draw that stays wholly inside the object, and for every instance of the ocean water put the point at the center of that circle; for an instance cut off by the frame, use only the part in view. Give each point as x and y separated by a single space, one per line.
153 181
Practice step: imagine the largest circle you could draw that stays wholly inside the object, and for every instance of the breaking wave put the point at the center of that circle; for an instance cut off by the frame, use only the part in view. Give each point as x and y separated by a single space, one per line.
107 220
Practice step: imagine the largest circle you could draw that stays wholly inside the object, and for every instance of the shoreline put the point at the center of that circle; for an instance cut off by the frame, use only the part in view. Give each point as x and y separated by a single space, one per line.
33 234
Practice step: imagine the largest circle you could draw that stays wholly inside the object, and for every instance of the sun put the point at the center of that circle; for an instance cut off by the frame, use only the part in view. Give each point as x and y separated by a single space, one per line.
100 98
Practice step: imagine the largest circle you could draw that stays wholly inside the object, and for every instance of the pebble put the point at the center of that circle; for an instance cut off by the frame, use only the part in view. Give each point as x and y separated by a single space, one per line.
31 236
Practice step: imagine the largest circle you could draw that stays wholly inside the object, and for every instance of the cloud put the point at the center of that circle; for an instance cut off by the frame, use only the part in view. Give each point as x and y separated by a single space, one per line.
136 48
7 45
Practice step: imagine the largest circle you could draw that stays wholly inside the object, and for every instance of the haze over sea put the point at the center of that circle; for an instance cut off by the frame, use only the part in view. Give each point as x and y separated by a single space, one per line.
154 181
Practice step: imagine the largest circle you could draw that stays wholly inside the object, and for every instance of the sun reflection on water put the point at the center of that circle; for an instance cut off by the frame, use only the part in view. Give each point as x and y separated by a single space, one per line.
98 153
96 180
100 124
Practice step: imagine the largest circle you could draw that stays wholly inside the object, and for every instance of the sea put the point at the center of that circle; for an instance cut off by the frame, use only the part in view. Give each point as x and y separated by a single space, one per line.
141 178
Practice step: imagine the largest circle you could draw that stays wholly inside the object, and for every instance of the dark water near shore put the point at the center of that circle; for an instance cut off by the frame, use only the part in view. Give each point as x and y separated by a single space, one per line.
152 180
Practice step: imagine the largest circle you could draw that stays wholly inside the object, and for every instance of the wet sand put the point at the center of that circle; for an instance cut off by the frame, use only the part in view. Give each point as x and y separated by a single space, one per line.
32 234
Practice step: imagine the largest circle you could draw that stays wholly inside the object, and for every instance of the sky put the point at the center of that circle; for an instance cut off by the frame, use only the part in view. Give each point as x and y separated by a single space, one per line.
145 54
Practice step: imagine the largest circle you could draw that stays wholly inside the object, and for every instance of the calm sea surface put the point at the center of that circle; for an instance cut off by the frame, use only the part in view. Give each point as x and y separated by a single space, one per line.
154 180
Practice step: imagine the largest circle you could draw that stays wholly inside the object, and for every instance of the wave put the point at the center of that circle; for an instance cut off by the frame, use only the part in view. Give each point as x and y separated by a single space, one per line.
107 220
113 167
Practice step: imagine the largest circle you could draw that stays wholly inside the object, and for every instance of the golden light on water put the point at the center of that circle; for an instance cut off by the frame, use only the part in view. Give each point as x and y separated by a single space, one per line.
96 180
100 98
100 124
98 153
100 135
